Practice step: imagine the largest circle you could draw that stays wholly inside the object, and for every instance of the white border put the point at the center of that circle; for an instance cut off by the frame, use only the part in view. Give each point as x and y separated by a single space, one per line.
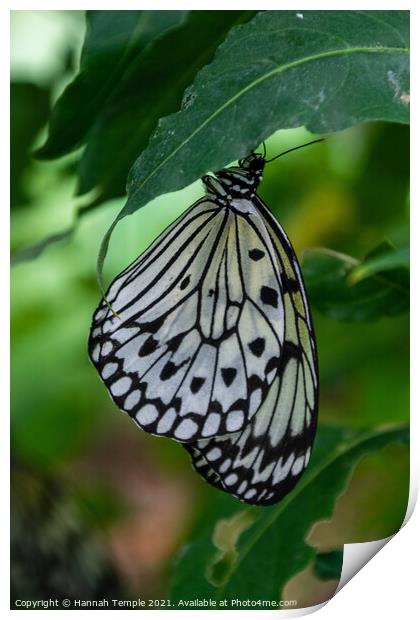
388 584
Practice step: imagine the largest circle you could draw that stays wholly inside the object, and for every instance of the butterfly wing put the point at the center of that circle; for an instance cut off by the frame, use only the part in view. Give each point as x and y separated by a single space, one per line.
203 468
198 333
262 462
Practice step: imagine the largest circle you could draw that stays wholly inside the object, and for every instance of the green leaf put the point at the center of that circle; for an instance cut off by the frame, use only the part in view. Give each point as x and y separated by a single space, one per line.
127 104
113 40
327 70
387 260
329 281
132 111
273 549
189 570
329 565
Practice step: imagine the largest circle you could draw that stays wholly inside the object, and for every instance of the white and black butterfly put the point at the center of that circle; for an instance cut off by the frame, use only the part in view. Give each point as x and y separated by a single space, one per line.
212 343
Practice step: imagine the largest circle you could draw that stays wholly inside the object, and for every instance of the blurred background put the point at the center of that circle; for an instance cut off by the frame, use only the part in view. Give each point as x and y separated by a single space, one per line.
100 508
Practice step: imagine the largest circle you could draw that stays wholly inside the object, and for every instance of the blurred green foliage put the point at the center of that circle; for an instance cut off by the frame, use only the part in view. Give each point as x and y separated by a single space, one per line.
24 129
81 470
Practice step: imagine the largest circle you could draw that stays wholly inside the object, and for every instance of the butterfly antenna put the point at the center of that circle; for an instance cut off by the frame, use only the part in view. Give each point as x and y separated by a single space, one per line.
265 150
267 161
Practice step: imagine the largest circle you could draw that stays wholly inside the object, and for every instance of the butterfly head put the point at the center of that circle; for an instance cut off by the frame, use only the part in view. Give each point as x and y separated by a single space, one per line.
253 165
241 181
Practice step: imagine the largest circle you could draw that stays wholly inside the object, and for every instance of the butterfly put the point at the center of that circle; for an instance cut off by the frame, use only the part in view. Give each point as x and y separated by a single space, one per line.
207 338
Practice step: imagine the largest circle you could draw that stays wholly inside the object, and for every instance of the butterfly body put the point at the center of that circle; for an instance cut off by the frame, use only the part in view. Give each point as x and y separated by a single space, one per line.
212 343
236 183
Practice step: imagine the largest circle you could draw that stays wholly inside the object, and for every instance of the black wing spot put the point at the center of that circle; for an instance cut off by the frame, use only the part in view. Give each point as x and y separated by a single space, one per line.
168 371
173 343
148 346
185 282
269 296
272 363
211 292
256 254
257 346
289 284
153 326
228 375
196 384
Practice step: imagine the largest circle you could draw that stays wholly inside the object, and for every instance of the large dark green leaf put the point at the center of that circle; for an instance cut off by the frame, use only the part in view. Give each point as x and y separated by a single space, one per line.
326 70
113 39
271 547
345 289
151 87
154 56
